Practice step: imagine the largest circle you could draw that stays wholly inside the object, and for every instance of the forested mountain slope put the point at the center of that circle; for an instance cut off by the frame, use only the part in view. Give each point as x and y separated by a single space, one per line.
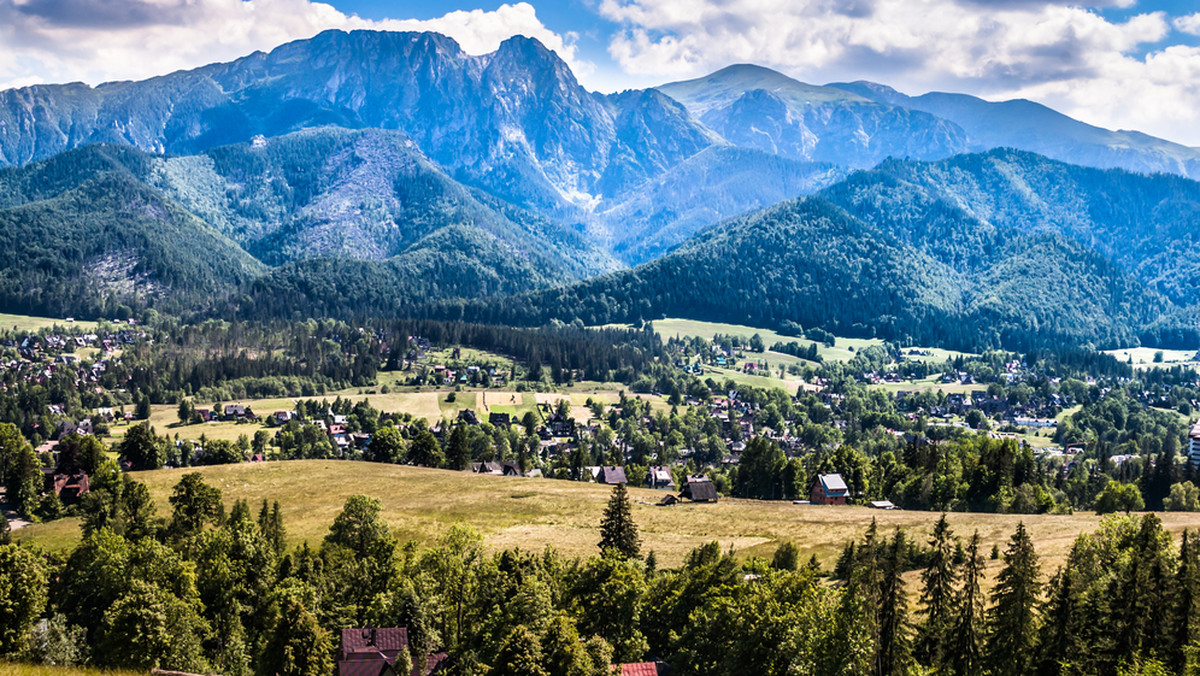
1147 225
107 225
83 234
811 262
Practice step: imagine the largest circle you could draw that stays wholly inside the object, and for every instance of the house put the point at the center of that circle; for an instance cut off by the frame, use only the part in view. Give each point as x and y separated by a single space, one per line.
660 477
640 669
500 420
282 417
487 468
828 489
374 652
69 487
699 489
468 416
611 475
238 412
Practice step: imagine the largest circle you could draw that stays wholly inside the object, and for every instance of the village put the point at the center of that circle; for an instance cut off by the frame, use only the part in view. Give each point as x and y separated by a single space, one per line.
687 443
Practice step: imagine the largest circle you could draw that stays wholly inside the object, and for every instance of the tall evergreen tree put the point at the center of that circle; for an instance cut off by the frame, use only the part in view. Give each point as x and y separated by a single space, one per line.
966 643
894 653
1013 618
1186 611
1060 639
618 532
458 449
937 596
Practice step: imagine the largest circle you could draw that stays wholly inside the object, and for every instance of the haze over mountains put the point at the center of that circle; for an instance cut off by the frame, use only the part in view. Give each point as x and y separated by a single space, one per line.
374 172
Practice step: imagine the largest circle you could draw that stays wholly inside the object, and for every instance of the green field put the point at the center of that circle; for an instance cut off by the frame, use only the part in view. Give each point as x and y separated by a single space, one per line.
1143 357
29 323
419 504
19 669
688 328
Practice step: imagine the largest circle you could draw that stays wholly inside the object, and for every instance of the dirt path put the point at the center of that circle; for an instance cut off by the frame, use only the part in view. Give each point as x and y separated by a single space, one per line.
15 522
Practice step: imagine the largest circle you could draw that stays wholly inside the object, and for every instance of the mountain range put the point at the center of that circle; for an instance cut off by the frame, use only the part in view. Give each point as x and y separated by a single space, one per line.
392 173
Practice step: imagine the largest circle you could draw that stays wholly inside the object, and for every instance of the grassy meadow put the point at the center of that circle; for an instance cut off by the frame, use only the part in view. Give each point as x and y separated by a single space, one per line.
1143 357
425 402
29 323
420 504
21 669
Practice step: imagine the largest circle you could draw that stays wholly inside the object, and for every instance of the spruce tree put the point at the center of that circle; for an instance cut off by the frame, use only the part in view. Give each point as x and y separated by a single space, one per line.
1185 611
893 655
1060 638
1012 619
966 643
618 532
937 596
458 449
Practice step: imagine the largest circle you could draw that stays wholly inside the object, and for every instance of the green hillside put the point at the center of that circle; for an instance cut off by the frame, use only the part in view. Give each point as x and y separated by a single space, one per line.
319 221
83 235
810 262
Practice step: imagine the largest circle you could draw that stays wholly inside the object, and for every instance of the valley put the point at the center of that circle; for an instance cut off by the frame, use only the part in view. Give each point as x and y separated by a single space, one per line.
375 333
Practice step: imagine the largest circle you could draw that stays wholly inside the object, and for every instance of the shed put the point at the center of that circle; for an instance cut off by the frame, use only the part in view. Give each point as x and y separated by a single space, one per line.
881 504
699 489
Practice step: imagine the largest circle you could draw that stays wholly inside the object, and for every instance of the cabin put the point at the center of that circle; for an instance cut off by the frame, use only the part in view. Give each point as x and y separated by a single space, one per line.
468 416
68 487
660 478
828 489
238 412
500 420
699 489
611 476
375 651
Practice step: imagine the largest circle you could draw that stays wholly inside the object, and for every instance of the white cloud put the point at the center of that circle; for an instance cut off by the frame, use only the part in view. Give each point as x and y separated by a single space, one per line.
1064 54
1189 24
84 40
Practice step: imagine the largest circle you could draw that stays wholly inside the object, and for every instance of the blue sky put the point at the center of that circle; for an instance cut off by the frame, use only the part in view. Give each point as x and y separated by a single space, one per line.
1131 64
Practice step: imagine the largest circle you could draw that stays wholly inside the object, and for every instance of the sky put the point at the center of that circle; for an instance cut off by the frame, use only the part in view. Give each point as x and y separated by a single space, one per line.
1120 64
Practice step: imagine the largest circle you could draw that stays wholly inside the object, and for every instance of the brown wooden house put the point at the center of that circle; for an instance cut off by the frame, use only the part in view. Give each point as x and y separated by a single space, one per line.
829 489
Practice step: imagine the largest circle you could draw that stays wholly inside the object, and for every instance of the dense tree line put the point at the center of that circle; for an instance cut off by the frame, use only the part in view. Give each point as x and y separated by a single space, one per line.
206 588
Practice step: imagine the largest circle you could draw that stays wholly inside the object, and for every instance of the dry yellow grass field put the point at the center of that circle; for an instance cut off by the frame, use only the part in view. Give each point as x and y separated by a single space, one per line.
420 504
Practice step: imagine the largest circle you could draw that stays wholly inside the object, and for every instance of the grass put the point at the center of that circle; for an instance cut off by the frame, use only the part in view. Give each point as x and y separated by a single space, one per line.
1143 357
931 384
29 323
841 351
22 669
420 504
426 402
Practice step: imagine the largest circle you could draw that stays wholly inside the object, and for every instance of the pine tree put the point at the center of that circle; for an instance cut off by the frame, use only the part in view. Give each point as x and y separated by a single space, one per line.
618 532
894 649
458 449
1186 612
1012 619
966 641
937 596
1060 640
